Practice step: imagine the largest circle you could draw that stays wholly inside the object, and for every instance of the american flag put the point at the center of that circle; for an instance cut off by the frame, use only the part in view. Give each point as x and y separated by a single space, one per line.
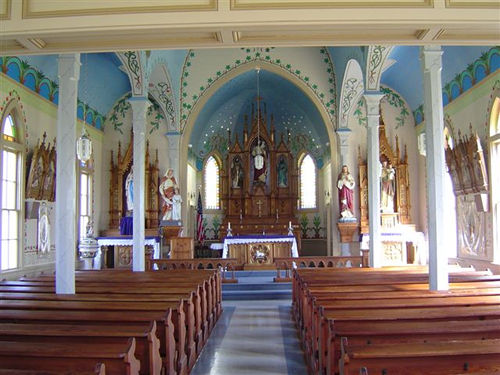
200 235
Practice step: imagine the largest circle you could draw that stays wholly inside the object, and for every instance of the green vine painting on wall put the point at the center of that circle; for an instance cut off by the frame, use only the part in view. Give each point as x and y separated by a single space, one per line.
393 99
119 111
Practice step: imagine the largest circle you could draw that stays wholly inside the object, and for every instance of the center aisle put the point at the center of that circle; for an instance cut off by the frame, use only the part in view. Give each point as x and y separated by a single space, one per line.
253 337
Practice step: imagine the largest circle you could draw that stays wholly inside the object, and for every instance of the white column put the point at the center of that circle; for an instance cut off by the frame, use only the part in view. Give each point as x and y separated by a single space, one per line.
435 163
343 134
139 109
69 72
373 115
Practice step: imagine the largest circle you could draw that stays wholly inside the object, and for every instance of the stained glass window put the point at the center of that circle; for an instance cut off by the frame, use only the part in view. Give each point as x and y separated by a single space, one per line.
307 183
211 181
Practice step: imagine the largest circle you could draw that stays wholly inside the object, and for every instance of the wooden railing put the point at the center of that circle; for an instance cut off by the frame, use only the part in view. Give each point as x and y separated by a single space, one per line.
224 264
287 264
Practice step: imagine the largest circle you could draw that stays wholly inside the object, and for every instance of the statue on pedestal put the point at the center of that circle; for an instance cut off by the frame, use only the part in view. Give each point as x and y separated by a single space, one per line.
387 187
129 189
345 185
168 186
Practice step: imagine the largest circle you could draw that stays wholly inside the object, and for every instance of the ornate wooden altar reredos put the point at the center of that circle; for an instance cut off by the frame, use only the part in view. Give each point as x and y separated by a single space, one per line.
401 203
467 168
117 197
259 200
42 172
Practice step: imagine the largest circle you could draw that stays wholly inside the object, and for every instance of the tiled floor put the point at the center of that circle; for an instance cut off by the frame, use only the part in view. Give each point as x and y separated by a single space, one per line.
253 337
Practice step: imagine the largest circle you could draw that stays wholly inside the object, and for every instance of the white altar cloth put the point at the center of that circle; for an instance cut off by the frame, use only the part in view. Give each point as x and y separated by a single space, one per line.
255 239
415 238
129 241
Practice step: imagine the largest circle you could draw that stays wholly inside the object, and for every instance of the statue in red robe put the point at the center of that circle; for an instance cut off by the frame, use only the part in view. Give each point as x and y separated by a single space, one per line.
345 185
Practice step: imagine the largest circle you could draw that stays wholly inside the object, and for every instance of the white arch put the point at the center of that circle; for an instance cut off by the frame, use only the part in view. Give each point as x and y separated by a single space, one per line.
186 135
353 87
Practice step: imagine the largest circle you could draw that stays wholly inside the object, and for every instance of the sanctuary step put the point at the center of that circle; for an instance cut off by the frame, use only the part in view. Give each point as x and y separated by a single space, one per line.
256 285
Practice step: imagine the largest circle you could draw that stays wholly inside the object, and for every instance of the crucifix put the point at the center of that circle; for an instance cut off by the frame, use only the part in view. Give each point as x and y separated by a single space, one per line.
259 203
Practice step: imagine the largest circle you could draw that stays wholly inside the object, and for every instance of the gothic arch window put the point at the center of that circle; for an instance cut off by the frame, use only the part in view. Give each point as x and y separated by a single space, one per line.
494 141
307 183
11 161
211 173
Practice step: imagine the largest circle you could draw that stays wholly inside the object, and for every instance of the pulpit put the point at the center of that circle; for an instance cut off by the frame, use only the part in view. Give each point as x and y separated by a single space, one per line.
181 248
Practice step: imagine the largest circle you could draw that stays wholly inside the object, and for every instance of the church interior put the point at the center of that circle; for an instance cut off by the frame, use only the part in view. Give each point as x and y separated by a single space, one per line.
223 170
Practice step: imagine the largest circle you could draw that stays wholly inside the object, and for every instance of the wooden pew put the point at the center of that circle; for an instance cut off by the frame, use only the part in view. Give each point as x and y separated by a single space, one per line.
432 358
99 369
183 328
119 359
145 292
165 328
318 311
147 344
172 279
419 331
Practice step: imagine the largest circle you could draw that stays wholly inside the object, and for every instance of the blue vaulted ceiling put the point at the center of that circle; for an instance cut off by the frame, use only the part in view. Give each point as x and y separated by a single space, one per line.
405 75
291 108
101 80
103 83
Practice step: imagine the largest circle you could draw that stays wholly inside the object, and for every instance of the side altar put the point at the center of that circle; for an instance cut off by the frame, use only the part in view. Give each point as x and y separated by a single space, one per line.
259 181
401 243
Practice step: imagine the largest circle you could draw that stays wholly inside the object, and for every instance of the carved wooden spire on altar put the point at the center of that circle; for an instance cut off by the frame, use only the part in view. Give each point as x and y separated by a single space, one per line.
117 198
257 201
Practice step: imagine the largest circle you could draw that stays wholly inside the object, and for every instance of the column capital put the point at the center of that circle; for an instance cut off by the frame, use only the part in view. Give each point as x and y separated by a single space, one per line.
343 134
69 66
431 57
373 106
139 103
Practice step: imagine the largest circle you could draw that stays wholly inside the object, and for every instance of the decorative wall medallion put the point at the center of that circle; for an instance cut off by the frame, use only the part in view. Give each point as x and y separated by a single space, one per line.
471 228
259 253
43 228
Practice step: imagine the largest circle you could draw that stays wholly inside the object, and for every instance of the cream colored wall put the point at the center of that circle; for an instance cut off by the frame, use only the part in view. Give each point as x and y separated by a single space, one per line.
41 117
470 109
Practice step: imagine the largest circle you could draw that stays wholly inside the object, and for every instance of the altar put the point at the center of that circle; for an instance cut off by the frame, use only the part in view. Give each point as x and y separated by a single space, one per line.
400 248
121 255
259 251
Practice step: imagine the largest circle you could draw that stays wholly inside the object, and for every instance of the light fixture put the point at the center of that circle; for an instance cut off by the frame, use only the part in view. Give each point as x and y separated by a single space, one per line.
84 144
259 157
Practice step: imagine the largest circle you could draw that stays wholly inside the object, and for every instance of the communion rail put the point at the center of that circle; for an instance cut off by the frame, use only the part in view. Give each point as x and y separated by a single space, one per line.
226 265
287 264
